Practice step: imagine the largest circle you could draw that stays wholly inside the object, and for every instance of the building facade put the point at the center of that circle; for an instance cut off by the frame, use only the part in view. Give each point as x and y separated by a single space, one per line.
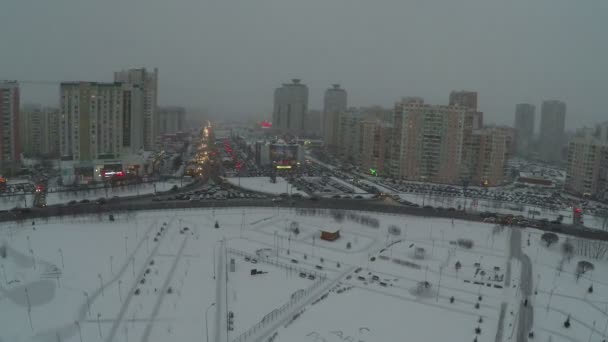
10 142
524 128
587 169
290 107
552 125
464 98
491 147
335 102
447 144
429 141
91 124
170 120
140 120
376 137
349 136
39 131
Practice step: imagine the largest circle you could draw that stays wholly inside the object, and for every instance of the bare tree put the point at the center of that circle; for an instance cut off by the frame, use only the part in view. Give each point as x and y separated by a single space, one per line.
592 248
582 267
568 248
457 266
549 238
419 253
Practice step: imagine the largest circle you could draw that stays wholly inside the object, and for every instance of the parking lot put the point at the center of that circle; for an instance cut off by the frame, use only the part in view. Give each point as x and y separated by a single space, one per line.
211 192
327 187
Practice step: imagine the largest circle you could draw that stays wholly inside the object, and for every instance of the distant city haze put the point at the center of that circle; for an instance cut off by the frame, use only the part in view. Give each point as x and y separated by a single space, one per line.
229 56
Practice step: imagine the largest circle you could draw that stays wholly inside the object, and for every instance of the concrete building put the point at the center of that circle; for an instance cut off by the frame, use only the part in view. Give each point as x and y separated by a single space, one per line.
39 131
31 130
552 124
464 98
349 136
446 144
601 131
524 128
170 120
290 107
376 138
278 155
140 120
10 142
50 138
587 169
428 142
335 102
491 150
92 116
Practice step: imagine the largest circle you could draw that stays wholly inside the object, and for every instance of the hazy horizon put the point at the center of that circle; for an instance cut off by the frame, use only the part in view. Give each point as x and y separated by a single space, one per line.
228 57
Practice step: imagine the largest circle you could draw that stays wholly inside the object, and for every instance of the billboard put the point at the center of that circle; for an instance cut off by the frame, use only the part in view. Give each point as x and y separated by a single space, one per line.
284 154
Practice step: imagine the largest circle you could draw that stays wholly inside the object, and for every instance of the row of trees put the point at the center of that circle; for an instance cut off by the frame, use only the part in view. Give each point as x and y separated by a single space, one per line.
340 215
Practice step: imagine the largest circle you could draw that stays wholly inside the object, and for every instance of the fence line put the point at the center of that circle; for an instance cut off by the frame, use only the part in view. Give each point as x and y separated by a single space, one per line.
296 298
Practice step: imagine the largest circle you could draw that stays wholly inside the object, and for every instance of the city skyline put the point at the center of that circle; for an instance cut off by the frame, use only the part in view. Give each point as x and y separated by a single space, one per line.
508 55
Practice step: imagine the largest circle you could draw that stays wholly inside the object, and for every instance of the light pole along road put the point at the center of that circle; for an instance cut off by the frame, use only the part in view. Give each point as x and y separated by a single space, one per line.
206 322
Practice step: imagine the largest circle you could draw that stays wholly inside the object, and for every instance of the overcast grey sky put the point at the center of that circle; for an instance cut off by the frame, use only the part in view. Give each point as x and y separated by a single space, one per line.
229 55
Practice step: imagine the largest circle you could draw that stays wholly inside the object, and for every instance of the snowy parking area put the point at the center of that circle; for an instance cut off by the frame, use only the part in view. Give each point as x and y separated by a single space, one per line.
295 274
263 184
27 200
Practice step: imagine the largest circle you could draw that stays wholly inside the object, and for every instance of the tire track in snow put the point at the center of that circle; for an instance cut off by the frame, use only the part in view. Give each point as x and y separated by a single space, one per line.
125 305
163 291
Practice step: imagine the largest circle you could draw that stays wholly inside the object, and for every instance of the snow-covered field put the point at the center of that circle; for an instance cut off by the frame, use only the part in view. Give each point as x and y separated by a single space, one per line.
145 277
10 202
559 293
263 184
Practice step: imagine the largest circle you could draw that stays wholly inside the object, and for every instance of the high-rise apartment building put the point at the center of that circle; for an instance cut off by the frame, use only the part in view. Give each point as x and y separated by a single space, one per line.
39 131
92 116
587 169
290 107
376 137
50 138
335 102
491 149
349 136
171 120
524 128
601 131
140 118
428 142
31 130
552 125
10 147
464 98
446 144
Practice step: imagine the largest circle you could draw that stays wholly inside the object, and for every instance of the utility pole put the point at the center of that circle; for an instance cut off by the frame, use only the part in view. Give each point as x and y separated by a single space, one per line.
100 283
439 284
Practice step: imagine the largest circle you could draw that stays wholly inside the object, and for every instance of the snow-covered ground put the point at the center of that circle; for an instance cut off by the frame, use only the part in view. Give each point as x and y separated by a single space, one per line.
21 200
481 205
560 294
263 184
146 277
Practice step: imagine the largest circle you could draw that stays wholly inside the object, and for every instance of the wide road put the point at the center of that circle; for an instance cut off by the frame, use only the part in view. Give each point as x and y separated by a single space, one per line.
145 202
526 313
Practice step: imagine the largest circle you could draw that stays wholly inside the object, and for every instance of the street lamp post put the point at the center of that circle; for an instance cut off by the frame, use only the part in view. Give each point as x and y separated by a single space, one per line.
215 245
206 324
